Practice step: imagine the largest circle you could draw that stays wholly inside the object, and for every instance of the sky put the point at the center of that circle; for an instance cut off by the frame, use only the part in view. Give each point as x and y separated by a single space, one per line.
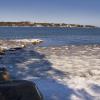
57 11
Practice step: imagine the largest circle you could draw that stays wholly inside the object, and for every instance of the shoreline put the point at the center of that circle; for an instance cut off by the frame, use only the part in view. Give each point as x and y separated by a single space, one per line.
69 69
17 44
44 24
52 27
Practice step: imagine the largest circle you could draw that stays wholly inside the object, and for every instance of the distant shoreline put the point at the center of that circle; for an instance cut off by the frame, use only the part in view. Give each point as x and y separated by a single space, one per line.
33 24
49 27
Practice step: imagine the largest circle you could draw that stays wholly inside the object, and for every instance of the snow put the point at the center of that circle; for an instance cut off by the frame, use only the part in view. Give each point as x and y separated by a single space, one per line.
27 40
61 73
18 43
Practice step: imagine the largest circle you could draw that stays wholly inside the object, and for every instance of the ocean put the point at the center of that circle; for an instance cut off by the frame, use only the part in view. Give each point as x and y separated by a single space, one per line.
66 65
53 36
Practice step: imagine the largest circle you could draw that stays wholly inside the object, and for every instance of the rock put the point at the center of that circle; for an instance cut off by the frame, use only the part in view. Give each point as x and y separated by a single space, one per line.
37 41
17 48
28 41
2 51
18 44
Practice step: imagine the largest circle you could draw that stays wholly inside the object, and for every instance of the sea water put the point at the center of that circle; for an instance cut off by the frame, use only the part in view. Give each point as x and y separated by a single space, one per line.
53 36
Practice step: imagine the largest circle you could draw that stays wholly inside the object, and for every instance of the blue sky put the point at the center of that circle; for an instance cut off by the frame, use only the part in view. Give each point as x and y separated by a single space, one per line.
59 11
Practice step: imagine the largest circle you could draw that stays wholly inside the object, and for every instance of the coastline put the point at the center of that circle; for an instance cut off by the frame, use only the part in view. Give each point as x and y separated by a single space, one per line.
51 27
45 24
60 70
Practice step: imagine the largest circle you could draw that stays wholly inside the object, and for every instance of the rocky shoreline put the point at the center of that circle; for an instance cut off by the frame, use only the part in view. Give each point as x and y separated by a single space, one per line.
17 44
60 70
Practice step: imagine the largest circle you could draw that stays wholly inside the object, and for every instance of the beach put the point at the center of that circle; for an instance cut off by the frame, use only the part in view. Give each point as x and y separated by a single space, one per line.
68 72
